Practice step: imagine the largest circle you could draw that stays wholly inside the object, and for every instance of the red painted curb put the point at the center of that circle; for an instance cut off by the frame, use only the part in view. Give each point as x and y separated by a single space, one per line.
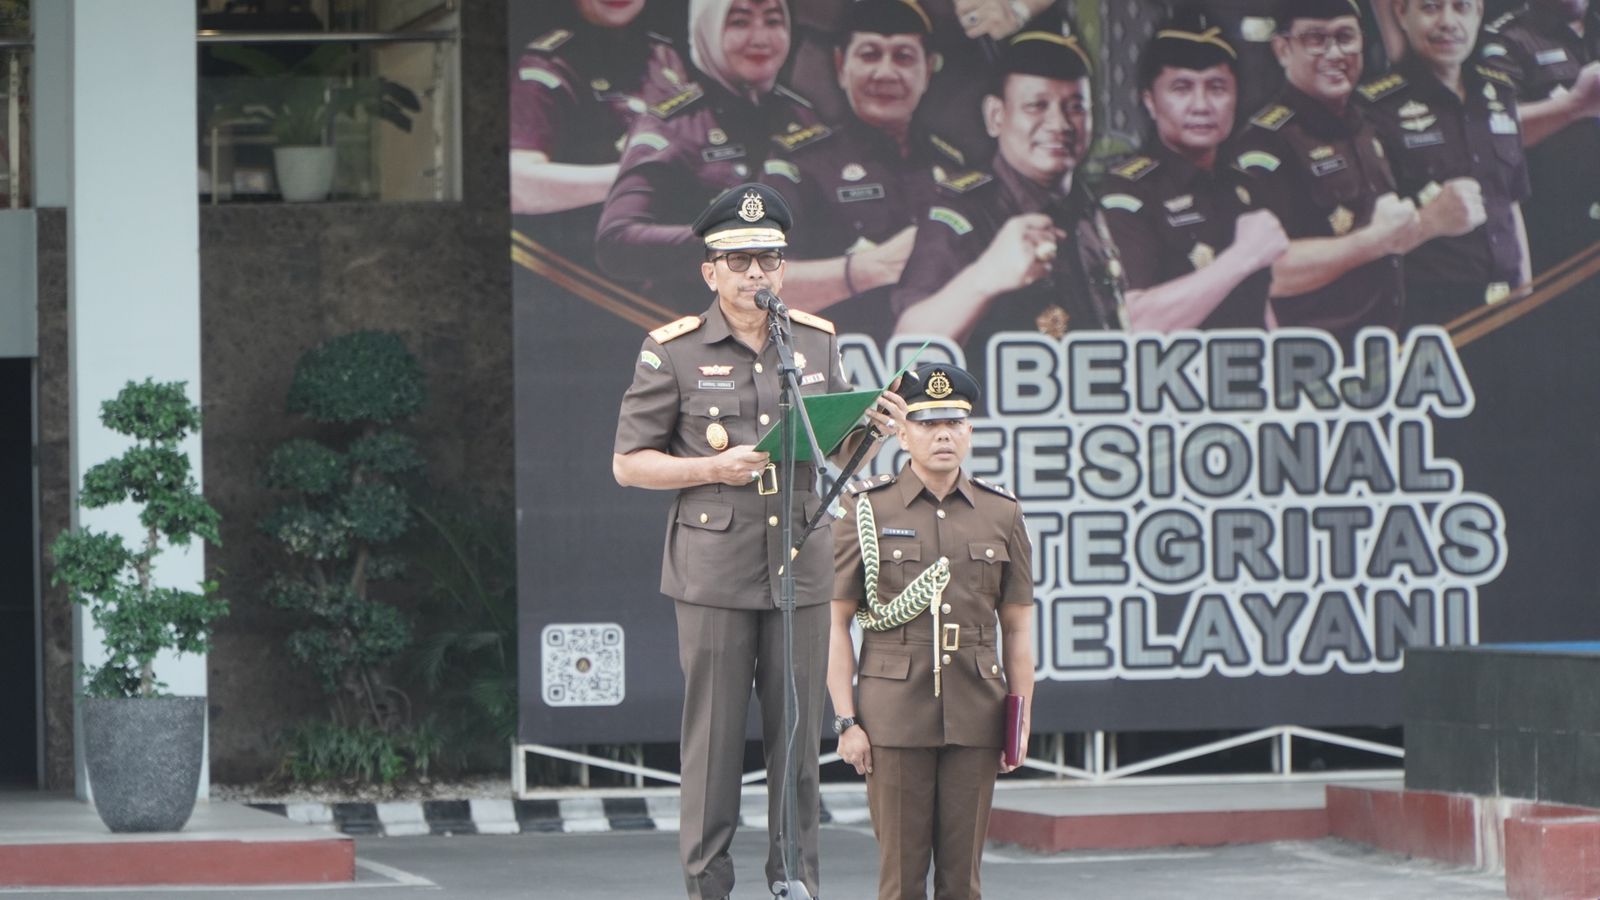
178 862
1051 834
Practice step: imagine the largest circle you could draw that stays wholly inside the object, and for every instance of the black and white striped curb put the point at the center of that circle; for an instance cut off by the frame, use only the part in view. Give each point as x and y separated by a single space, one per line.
571 815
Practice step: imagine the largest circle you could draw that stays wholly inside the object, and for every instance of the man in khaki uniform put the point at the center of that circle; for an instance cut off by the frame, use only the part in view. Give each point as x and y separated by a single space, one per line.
704 389
927 562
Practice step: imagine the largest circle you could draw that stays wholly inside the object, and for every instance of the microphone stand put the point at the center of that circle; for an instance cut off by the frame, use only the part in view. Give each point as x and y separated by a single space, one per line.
792 887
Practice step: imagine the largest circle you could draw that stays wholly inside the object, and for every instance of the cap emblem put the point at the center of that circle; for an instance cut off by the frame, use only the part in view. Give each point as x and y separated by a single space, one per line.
939 386
752 209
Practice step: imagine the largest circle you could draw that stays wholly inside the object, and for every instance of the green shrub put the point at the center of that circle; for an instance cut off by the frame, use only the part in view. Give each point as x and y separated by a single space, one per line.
137 618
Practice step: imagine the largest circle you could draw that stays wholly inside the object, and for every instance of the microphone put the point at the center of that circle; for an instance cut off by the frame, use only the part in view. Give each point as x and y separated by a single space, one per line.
769 301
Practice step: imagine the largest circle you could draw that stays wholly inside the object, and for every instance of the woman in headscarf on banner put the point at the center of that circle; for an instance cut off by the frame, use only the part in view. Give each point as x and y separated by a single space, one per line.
715 133
576 88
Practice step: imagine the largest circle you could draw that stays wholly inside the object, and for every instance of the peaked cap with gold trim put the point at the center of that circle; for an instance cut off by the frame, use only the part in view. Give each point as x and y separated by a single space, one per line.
936 391
745 217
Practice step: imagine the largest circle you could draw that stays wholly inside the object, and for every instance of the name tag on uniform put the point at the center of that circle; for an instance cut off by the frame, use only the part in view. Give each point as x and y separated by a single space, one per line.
860 192
716 385
1185 220
1502 123
718 154
1550 57
813 378
1329 166
900 532
1426 139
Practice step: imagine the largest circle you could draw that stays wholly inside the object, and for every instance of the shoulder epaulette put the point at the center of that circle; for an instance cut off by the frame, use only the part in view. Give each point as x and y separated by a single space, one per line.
948 149
805 318
1273 117
678 102
871 484
794 140
785 92
993 488
1383 87
674 330
548 42
960 182
1496 75
1135 168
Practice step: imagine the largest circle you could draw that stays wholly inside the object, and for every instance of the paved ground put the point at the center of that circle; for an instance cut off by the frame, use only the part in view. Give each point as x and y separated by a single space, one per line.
644 865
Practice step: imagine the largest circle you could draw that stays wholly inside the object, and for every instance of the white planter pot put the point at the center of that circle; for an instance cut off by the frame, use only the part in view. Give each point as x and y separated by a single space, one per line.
304 173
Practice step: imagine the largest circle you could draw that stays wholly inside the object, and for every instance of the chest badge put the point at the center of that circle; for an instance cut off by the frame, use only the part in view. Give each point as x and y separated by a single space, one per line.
1421 123
853 172
717 137
716 371
1053 321
1202 255
799 360
1243 195
600 84
1502 123
1341 221
1321 153
1179 204
1413 109
717 436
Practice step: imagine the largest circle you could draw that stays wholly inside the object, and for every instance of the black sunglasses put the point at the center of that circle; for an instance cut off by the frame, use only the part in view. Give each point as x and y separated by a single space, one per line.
740 262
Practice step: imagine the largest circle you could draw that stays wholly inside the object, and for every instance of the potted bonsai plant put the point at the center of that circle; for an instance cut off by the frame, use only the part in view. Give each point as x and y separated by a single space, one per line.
143 750
298 102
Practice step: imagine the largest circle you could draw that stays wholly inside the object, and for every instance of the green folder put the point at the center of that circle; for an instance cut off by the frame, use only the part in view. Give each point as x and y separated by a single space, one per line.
832 416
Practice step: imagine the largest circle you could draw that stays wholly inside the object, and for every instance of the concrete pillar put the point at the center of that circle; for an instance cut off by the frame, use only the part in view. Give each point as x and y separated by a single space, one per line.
133 250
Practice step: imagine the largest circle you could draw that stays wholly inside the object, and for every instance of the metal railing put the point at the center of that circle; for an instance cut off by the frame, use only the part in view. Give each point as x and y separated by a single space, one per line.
1099 753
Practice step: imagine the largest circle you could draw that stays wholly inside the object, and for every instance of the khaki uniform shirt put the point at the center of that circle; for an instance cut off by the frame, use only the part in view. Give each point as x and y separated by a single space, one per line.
1321 174
979 528
679 157
1541 53
723 545
1431 136
1170 217
1083 290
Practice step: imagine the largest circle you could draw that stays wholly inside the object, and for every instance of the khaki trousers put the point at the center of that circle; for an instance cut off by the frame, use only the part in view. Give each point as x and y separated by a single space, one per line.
723 653
930 803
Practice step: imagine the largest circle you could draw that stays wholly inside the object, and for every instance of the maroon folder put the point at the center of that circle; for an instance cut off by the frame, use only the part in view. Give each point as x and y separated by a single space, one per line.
1014 746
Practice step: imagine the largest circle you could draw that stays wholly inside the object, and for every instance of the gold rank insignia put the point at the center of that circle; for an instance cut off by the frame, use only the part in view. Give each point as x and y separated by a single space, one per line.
1429 191
853 172
717 436
939 386
1341 220
1053 321
600 84
717 137
1323 152
751 209
1243 195
713 371
1202 255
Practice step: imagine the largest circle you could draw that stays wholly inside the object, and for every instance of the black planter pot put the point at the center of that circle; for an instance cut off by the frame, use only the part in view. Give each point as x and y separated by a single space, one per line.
144 758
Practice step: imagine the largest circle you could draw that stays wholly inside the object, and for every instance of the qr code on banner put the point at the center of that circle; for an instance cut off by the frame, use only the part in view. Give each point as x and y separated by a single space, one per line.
583 664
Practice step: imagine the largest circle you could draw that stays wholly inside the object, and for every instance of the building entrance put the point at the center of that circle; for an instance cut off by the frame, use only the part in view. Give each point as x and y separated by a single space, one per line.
19 664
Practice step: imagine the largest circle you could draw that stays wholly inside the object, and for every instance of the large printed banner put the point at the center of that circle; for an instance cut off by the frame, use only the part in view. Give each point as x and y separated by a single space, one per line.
1232 526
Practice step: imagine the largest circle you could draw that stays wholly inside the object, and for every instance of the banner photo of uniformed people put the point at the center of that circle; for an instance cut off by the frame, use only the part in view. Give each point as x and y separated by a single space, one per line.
1284 315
